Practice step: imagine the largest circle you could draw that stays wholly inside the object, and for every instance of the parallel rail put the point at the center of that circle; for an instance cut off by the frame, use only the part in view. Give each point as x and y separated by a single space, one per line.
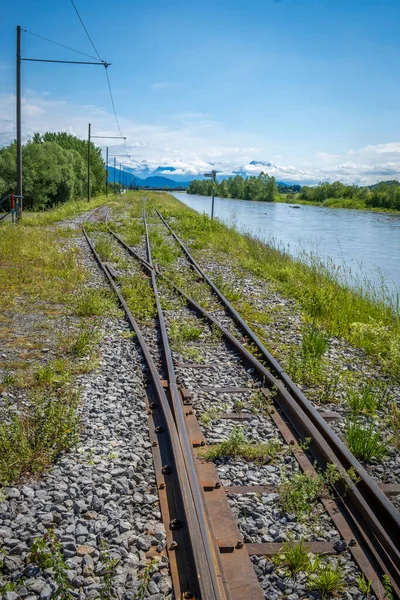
368 514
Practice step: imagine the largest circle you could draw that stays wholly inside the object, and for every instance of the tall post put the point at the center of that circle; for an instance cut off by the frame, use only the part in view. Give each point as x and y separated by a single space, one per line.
88 165
119 177
107 171
115 167
19 130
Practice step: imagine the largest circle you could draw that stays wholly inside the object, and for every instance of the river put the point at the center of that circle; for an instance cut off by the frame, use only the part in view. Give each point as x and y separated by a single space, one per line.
365 244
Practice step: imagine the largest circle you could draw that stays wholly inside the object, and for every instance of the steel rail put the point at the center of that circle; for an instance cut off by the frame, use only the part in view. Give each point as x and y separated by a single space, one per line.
205 587
381 505
387 555
209 555
354 503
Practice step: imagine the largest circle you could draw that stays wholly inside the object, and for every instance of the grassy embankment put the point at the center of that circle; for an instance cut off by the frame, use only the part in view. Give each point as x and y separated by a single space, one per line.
365 316
42 283
334 203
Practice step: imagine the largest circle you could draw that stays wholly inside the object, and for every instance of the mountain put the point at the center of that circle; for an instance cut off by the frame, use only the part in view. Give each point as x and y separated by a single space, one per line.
154 182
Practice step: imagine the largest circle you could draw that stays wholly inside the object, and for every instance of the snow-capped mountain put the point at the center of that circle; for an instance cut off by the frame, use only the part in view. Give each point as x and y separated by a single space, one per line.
187 171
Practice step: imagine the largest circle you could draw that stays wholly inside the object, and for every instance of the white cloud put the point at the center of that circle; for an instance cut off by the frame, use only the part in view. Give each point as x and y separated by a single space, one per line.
192 142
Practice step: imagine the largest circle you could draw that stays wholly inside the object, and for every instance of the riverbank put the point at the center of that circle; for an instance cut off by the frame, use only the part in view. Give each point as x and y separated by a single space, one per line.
335 203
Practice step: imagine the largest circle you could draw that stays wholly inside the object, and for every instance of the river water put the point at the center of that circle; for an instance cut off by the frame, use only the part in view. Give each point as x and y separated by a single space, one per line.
365 244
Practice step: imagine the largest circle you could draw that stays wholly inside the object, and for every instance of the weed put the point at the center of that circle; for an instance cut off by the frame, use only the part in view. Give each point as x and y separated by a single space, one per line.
366 400
104 248
300 493
139 296
238 406
260 403
296 557
87 338
210 415
394 422
31 440
365 441
54 373
93 302
314 342
237 445
47 553
387 586
364 585
145 577
328 579
184 331
110 565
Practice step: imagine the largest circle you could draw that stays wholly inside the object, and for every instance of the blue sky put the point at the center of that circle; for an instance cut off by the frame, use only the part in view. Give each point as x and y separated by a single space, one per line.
310 86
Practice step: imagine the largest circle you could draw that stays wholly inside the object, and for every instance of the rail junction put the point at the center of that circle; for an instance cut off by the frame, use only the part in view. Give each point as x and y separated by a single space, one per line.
208 556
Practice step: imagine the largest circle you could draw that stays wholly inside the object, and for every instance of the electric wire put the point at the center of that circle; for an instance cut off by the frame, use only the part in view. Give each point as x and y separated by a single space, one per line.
86 31
107 76
58 44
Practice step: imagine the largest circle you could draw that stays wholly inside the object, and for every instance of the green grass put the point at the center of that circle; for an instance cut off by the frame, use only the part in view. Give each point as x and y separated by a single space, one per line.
366 315
237 446
366 400
366 441
104 248
181 332
34 438
90 302
139 296
328 580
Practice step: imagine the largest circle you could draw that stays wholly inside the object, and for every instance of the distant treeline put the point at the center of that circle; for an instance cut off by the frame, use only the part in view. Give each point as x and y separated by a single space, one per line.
382 195
263 187
54 170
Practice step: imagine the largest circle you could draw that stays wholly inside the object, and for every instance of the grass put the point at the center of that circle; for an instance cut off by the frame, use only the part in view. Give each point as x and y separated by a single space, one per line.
139 296
34 437
300 493
181 332
328 580
366 315
296 557
104 248
90 302
366 440
237 446
365 400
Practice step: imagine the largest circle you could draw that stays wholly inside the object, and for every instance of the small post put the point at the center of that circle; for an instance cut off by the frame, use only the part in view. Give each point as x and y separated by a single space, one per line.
12 203
19 130
115 166
107 171
88 166
213 194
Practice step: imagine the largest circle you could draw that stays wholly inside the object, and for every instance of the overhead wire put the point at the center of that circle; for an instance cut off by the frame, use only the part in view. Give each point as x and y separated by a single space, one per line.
58 44
107 76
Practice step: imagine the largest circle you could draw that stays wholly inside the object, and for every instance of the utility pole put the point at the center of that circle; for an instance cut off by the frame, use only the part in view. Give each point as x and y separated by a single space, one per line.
107 172
19 59
88 166
115 167
19 134
119 177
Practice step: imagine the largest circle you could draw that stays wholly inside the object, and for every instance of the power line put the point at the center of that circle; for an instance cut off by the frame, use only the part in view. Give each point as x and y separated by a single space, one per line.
105 65
112 103
86 31
58 44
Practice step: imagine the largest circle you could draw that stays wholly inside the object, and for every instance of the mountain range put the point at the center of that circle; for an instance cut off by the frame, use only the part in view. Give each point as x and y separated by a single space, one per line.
142 174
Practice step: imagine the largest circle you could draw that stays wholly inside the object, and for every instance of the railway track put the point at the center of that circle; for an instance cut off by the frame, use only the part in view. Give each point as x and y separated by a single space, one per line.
209 558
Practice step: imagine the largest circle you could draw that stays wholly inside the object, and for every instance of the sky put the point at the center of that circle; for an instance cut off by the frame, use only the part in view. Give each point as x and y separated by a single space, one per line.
310 87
